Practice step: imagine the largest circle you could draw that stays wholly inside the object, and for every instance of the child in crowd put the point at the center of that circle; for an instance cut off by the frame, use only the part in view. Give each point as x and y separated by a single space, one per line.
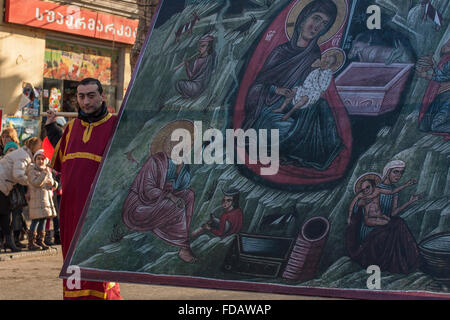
41 206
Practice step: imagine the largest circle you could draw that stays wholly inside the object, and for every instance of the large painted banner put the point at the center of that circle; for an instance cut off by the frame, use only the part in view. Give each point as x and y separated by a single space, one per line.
290 146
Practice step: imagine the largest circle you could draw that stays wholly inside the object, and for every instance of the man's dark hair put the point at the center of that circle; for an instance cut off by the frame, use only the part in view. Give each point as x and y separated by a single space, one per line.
87 81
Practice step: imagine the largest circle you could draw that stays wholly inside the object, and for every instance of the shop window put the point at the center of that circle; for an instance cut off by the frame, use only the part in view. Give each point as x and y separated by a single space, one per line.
66 64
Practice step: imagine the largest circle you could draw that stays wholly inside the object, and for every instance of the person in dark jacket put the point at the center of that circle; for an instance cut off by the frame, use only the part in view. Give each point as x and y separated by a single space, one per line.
54 126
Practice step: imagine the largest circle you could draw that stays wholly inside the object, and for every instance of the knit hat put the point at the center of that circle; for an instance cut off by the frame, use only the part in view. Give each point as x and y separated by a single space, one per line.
10 145
39 152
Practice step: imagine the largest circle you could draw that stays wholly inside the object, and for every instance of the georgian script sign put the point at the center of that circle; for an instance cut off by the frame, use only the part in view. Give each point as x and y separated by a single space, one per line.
71 19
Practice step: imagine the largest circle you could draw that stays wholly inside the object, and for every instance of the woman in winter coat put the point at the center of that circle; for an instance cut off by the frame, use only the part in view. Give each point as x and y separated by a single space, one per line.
40 204
12 171
18 224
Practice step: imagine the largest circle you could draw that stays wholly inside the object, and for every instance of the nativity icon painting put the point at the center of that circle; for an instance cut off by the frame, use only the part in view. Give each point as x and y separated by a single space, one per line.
351 120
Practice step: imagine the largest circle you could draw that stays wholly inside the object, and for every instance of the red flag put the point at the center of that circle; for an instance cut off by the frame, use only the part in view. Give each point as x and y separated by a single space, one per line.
48 148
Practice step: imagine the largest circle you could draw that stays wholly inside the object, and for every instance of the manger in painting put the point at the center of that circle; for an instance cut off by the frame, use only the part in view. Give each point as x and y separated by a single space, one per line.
356 122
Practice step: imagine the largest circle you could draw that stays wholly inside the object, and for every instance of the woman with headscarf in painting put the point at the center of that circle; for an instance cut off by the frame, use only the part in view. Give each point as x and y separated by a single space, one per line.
160 200
309 138
391 246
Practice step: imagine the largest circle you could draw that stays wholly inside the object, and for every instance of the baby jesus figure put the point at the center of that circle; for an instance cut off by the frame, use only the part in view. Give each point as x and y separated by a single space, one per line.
315 84
368 197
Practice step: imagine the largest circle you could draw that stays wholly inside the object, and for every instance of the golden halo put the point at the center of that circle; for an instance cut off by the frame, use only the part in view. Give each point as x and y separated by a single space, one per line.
301 4
367 176
166 131
340 57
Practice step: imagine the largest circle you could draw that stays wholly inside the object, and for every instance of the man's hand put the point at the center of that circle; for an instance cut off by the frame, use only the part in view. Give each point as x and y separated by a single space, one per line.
51 117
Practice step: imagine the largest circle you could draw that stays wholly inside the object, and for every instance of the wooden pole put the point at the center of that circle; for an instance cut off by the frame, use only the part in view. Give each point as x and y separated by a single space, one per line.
66 114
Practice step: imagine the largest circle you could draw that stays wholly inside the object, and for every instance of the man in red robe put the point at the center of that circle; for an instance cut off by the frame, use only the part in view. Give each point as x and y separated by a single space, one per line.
230 221
77 156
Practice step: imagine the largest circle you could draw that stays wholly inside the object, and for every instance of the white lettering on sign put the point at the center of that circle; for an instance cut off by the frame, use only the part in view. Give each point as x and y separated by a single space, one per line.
74 20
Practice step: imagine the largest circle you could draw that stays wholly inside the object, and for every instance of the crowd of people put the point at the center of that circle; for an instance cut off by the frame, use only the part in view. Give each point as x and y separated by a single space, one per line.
29 193
42 201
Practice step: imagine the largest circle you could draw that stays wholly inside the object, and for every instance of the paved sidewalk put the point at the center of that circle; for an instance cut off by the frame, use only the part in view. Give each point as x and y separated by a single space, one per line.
8 255
34 276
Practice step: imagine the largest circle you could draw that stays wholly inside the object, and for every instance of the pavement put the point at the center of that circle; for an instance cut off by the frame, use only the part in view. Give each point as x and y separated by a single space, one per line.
8 255
34 275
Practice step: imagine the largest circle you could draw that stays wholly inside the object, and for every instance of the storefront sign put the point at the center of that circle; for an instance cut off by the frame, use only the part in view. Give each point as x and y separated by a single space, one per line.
71 19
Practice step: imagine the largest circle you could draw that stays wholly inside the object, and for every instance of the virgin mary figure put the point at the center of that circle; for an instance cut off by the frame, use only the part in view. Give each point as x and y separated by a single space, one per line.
311 138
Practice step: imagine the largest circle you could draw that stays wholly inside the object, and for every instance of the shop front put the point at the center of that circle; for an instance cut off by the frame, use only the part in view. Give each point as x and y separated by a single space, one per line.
66 63
46 48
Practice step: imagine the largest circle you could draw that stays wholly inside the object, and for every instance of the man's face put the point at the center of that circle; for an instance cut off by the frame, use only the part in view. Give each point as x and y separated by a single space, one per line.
227 202
313 25
89 99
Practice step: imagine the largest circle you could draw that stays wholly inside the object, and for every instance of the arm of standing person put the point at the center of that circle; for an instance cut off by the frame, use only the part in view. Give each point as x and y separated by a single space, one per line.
19 171
54 132
58 154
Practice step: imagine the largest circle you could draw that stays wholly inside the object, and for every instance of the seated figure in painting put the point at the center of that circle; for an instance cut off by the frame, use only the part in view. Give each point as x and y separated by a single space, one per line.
388 244
315 84
230 221
315 142
434 115
199 73
160 200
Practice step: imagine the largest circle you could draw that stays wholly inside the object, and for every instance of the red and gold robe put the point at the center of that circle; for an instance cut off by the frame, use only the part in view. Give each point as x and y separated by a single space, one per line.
234 218
77 156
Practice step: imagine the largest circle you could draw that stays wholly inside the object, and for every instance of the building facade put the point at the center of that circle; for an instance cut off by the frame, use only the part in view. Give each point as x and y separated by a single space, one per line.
54 44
